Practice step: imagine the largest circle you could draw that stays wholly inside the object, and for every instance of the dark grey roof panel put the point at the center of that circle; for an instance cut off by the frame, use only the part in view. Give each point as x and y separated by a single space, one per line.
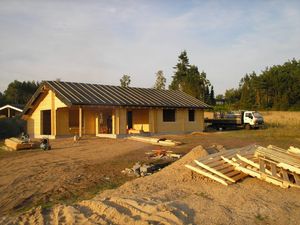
96 94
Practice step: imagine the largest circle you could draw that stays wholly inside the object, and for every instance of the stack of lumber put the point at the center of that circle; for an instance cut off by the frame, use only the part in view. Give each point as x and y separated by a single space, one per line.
214 167
272 164
155 141
17 144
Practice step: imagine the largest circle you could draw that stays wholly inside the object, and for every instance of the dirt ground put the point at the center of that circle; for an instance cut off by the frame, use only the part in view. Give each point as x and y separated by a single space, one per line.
63 174
175 195
72 173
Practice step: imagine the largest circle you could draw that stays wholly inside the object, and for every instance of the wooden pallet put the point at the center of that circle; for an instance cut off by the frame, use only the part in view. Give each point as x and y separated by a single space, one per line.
214 167
265 169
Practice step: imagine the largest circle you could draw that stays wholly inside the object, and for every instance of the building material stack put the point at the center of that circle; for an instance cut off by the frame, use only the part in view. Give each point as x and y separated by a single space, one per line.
272 164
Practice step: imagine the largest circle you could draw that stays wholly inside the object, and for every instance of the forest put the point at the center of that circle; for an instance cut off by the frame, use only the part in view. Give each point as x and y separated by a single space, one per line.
275 88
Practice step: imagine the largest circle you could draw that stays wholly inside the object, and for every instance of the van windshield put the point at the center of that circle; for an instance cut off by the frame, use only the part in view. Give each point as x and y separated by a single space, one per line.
257 115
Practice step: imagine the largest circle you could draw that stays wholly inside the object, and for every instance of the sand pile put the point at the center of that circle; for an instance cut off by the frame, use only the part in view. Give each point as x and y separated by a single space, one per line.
120 210
177 196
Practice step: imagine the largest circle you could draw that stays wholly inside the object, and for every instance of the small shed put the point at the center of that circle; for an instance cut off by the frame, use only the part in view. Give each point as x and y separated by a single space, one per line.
10 110
66 108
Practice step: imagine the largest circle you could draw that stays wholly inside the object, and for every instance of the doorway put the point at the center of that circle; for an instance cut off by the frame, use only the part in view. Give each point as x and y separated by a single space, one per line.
129 120
46 122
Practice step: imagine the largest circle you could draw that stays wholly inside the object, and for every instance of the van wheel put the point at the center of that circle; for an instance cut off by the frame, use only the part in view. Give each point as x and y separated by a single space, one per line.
247 126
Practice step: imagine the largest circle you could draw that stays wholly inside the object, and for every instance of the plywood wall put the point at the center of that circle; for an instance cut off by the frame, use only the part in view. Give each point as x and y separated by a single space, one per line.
49 102
140 119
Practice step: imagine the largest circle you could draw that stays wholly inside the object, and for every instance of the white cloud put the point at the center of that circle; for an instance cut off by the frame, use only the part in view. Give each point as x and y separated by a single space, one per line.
98 41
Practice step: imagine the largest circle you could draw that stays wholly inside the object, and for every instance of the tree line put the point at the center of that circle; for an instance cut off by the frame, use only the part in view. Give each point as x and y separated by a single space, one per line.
276 88
18 93
186 78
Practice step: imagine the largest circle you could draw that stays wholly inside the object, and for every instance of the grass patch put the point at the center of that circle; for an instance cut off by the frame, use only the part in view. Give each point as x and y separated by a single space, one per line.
260 217
280 136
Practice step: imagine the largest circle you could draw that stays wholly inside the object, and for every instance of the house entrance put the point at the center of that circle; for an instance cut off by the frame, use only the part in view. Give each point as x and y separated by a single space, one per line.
46 122
129 120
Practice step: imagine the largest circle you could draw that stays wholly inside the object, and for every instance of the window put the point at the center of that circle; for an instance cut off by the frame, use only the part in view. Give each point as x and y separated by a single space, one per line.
169 115
191 115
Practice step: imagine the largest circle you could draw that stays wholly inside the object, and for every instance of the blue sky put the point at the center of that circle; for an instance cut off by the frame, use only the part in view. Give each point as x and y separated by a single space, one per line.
98 41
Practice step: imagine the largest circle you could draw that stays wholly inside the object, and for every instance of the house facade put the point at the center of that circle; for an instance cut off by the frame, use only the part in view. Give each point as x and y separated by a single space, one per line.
66 108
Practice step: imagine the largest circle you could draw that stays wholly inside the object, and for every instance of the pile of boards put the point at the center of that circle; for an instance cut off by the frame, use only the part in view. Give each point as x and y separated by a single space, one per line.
155 141
272 164
15 144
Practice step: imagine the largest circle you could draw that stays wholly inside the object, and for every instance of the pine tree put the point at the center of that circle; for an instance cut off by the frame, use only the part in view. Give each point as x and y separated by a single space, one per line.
188 79
125 81
160 82
212 96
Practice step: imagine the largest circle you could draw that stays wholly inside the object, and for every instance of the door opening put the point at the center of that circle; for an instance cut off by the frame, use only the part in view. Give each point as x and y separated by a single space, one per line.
129 120
46 122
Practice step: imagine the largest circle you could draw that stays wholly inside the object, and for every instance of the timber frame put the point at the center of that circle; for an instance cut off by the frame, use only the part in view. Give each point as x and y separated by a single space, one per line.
106 111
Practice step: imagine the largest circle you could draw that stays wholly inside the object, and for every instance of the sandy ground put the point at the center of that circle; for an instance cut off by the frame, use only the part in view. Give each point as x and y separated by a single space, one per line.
175 195
74 170
37 177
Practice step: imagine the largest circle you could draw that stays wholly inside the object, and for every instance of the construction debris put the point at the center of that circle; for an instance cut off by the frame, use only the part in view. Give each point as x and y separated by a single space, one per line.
141 170
162 154
155 141
15 144
272 164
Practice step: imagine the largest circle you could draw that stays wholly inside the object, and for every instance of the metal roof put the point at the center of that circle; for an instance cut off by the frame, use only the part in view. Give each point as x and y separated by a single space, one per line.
72 93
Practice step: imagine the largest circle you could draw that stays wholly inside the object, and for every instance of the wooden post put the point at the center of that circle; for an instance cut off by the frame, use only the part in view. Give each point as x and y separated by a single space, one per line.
8 112
53 114
80 122
97 123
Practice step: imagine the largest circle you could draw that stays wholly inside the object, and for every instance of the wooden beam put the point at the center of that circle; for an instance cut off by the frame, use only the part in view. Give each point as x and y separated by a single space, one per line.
80 122
212 170
97 123
207 174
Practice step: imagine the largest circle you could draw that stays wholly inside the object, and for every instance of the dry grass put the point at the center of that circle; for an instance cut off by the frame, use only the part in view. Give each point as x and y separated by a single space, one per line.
282 119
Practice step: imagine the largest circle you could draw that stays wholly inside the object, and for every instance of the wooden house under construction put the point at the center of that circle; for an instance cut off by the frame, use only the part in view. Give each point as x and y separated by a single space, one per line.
66 108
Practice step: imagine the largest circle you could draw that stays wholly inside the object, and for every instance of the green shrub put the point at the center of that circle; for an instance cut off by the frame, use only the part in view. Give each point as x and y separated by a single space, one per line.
11 127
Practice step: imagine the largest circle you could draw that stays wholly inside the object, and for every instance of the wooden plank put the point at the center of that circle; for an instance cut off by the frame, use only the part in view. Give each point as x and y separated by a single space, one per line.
232 173
289 167
254 173
248 149
297 178
239 176
285 175
273 169
228 169
213 171
262 167
248 161
207 174
80 122
278 156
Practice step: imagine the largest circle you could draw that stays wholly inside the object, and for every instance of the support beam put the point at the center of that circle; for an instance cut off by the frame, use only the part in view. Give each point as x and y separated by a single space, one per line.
53 114
8 112
80 122
97 123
